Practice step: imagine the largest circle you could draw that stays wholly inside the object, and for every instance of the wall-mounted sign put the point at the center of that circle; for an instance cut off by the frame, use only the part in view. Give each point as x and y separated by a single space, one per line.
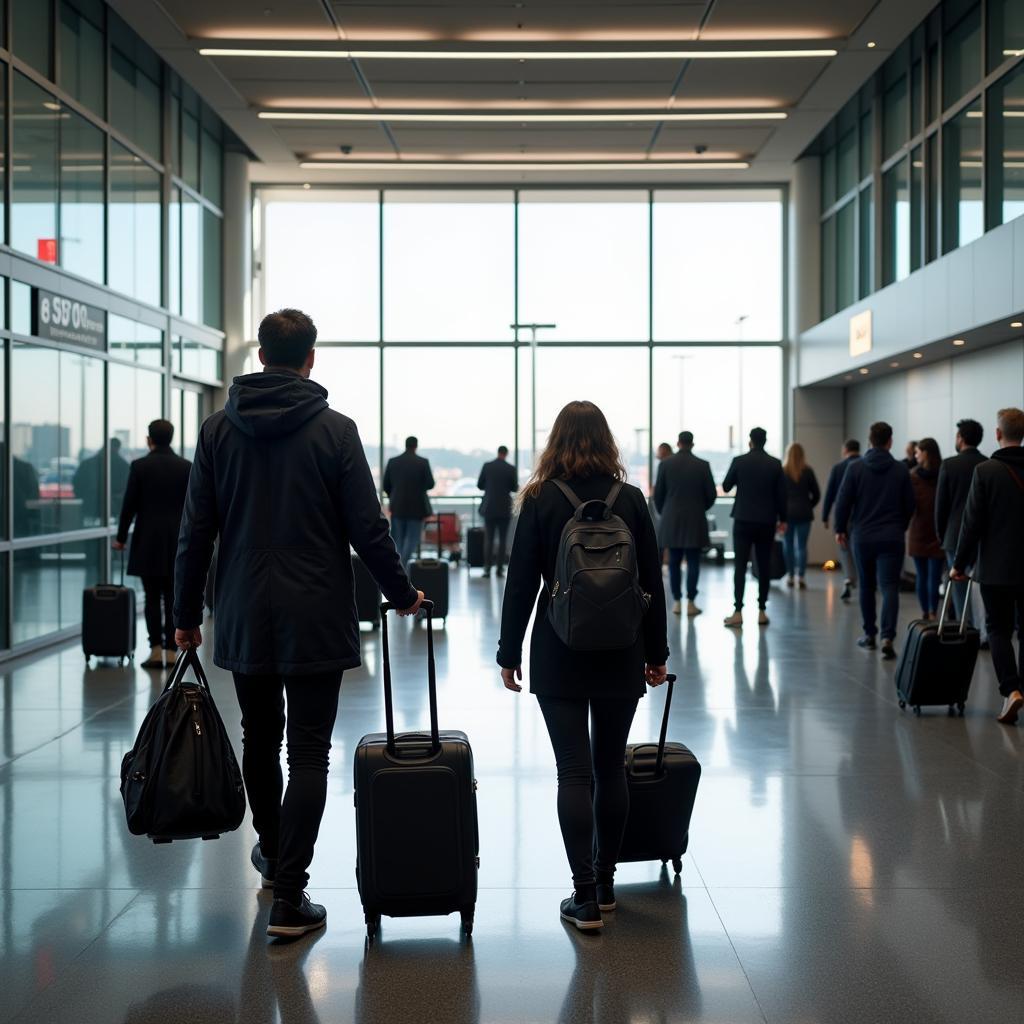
60 319
860 333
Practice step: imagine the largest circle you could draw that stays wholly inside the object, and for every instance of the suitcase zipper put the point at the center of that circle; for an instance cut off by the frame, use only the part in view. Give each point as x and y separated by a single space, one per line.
193 699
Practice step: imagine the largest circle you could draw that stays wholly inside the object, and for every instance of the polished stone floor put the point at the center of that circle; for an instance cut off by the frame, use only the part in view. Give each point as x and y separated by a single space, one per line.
848 862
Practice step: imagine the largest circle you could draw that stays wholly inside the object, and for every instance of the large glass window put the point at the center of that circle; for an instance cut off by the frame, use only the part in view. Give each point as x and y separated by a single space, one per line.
36 593
717 267
131 340
136 399
448 269
895 108
36 439
80 479
134 219
82 52
198 361
34 174
82 148
896 222
135 72
1005 30
846 255
32 34
212 156
189 137
191 258
962 208
212 271
961 49
1006 147
583 264
828 266
866 254
174 252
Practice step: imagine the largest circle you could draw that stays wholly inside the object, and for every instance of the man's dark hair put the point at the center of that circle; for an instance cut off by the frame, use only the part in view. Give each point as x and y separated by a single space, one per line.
411 443
758 437
287 337
161 433
502 450
971 431
879 434
852 445
686 439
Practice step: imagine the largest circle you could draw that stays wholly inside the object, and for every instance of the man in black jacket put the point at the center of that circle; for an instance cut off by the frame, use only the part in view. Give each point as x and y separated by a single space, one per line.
759 512
683 493
499 480
284 482
992 542
851 451
407 478
955 475
154 497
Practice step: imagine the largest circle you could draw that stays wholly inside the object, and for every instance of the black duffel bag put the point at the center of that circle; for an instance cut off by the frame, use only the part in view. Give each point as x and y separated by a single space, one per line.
181 779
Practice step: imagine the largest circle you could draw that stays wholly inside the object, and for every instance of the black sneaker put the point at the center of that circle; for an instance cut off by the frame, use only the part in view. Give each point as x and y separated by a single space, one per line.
847 593
288 921
867 643
266 866
585 914
605 896
888 651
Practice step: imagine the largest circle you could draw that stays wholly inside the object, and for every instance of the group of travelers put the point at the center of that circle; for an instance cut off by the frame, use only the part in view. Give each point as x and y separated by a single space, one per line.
286 624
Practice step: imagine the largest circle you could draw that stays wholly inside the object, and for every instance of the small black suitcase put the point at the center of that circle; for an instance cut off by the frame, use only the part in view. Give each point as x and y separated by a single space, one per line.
431 576
367 593
663 779
416 826
475 537
937 661
778 564
109 620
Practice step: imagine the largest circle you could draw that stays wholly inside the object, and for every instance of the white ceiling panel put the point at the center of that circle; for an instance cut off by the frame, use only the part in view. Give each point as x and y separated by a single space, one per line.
251 19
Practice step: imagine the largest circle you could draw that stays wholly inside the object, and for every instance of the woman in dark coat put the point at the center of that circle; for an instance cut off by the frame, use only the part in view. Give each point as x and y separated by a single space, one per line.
802 497
588 698
923 544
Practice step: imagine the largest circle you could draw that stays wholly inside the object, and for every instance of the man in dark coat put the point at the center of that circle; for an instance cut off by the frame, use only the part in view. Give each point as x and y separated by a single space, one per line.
499 481
154 497
282 479
850 453
991 551
759 511
683 493
407 478
955 475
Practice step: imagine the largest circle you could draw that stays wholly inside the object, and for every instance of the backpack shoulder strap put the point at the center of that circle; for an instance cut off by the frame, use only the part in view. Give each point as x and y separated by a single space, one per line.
1016 477
569 493
613 494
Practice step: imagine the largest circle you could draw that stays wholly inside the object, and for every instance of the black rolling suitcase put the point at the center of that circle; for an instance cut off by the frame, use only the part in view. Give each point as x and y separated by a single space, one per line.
431 576
416 826
109 620
778 562
475 538
367 593
937 661
663 779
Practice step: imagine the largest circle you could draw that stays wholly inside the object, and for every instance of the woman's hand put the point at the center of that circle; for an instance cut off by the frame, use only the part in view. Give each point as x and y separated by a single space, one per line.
509 677
655 674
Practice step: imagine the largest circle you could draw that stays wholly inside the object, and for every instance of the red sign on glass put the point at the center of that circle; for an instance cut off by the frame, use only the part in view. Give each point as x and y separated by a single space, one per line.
46 250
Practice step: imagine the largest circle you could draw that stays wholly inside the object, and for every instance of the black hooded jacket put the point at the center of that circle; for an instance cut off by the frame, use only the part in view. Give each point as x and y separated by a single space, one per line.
282 479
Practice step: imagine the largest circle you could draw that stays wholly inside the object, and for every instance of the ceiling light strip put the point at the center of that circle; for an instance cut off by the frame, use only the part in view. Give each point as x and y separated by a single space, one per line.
516 55
514 165
526 116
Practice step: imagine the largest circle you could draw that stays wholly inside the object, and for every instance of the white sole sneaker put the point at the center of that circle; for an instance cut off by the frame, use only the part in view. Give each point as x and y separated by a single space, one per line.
267 883
280 931
584 926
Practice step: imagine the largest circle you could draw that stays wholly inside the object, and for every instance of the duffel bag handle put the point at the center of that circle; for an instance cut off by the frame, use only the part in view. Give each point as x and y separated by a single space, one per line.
670 679
389 711
188 657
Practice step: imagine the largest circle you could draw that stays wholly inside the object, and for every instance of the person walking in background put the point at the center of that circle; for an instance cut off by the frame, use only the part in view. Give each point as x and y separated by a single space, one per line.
499 480
955 475
283 480
991 552
683 494
910 455
877 495
802 497
407 479
759 512
664 451
588 698
923 544
154 497
851 451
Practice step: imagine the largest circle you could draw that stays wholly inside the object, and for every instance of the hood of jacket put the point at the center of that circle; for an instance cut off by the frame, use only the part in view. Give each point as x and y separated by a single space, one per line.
878 460
270 404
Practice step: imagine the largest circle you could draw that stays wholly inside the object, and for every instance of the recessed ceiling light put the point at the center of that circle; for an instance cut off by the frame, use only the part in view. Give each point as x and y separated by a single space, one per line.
872 44
50 105
520 118
864 370
919 355
1017 323
894 365
515 55
959 341
516 165
305 184
849 376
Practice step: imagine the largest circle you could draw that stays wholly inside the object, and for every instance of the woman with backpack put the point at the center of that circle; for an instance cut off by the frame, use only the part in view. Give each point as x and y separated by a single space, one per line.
599 636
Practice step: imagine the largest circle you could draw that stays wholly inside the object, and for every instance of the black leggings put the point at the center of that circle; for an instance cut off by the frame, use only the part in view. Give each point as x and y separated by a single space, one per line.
593 798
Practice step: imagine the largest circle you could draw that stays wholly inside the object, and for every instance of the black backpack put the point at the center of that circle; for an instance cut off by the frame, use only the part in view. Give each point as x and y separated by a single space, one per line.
181 779
596 600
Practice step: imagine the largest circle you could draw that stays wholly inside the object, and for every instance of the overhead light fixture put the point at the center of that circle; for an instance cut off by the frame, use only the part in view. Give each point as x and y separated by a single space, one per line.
527 117
919 355
893 365
516 55
872 44
959 342
1017 323
516 165
1013 53
864 370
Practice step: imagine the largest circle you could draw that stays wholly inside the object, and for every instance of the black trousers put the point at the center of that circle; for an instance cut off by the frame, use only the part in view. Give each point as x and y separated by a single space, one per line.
159 592
760 537
287 827
593 797
495 530
1004 613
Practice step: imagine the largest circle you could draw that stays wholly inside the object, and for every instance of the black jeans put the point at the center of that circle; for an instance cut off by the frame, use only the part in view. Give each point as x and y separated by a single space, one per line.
495 530
287 829
1004 613
760 537
159 619
593 797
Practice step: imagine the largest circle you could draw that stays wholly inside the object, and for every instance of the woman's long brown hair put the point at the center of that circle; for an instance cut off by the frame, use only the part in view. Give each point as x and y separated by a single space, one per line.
796 461
580 445
933 457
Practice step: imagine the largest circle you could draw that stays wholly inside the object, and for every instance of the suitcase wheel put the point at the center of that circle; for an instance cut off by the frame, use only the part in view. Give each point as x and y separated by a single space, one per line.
372 927
903 704
917 710
467 922
960 709
952 711
677 865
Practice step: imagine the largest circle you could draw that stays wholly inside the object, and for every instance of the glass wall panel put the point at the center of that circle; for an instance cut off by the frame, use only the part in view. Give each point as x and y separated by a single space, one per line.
212 271
449 271
846 255
895 108
135 71
32 34
131 340
846 150
34 174
1006 147
37 439
136 399
199 361
1005 30
134 226
828 267
80 479
82 151
322 256
83 564
962 207
191 417
896 222
455 453
583 264
3 152
189 137
212 174
866 255
21 307
828 177
932 199
717 267
916 208
867 144
961 51
82 52
191 258
3 443
36 593
5 568
174 251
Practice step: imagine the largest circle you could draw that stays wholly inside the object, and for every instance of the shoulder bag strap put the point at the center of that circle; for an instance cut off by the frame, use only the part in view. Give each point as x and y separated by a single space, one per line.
568 492
1016 477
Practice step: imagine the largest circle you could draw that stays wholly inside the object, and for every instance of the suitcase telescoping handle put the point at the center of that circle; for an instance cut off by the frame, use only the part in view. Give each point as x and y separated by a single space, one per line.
670 680
960 632
389 711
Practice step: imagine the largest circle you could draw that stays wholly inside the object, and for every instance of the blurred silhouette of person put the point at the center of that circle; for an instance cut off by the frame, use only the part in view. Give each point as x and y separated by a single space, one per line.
499 480
87 486
910 455
923 543
407 479
25 493
850 453
664 451
802 497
